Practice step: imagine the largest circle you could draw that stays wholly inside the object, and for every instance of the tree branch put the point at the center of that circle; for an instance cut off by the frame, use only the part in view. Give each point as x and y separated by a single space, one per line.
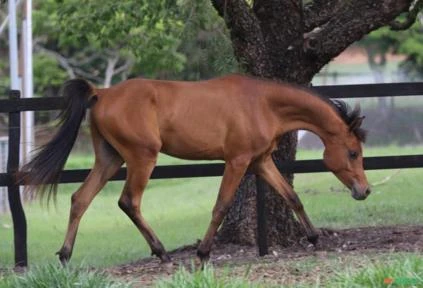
411 17
63 61
111 63
281 22
88 75
126 66
318 12
246 35
86 58
353 20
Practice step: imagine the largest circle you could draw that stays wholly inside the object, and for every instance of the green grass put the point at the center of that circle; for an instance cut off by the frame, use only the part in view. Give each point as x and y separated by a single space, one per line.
405 272
179 211
331 270
56 276
204 278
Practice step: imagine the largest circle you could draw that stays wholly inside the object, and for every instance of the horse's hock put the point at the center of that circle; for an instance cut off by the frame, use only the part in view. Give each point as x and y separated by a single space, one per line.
4 206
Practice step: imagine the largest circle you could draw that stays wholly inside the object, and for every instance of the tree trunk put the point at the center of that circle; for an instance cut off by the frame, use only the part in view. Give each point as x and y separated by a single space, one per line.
285 40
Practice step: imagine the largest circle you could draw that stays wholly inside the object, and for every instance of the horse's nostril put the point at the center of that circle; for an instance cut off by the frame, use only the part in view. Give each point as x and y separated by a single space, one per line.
368 191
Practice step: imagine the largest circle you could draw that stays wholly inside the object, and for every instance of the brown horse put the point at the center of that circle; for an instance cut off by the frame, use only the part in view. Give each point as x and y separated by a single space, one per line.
235 118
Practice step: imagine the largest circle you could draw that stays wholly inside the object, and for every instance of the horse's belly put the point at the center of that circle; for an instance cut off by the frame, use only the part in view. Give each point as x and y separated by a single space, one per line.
192 149
194 142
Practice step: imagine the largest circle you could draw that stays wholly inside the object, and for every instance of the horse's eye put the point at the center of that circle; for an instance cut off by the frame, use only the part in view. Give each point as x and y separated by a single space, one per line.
353 155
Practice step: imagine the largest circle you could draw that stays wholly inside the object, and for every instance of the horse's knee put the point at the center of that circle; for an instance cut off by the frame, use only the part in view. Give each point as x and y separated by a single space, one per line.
124 204
127 206
77 205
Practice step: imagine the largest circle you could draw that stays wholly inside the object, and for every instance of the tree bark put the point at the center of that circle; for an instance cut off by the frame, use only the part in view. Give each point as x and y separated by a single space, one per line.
285 40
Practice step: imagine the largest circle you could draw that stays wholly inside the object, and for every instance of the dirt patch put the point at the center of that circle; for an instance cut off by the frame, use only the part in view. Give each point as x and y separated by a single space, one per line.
361 241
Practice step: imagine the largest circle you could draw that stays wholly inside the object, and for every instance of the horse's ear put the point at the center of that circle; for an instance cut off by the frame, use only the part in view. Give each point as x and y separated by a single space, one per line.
356 123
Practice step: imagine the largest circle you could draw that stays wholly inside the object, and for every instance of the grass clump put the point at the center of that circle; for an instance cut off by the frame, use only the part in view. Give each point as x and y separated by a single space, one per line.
47 276
406 272
205 278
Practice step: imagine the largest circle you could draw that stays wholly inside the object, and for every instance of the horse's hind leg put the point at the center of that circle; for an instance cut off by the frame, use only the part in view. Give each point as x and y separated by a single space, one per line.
139 172
270 173
107 163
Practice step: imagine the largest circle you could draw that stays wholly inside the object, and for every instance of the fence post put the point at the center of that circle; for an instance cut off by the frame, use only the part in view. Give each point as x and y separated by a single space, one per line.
16 209
261 216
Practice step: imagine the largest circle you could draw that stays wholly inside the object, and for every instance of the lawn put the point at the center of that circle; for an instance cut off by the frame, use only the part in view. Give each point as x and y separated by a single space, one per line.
179 211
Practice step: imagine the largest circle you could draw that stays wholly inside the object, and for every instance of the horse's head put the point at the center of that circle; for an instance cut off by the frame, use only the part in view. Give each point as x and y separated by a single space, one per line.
344 155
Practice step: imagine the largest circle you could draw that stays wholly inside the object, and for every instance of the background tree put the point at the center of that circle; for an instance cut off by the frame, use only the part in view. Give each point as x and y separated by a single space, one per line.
410 43
384 41
291 41
106 40
378 45
205 42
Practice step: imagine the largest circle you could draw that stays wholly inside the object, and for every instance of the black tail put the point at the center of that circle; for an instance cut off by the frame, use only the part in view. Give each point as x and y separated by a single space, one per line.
44 170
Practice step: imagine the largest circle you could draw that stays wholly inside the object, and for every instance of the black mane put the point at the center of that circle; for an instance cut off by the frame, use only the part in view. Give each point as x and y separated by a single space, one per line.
349 116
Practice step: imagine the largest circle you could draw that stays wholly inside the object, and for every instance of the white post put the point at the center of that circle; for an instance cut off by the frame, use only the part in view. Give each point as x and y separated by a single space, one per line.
13 46
28 117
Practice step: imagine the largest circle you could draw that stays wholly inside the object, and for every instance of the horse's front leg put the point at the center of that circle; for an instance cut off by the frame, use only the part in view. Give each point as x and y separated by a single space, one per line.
234 171
270 173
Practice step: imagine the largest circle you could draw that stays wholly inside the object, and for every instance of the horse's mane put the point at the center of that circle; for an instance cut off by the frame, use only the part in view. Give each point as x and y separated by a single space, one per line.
349 116
344 111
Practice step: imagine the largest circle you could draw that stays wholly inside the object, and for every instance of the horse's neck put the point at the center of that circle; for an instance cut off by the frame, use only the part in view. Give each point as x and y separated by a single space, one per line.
308 112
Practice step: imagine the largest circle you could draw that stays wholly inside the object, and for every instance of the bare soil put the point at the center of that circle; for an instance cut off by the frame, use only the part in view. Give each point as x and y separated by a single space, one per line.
341 243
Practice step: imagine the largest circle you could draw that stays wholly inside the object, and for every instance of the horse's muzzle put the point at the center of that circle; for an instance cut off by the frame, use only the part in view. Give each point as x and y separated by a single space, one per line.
359 192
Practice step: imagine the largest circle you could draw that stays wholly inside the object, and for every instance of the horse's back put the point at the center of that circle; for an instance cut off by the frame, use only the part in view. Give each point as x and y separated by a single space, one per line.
193 120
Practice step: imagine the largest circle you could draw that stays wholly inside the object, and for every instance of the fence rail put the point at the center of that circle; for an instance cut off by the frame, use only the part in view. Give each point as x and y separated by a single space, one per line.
14 105
330 91
216 169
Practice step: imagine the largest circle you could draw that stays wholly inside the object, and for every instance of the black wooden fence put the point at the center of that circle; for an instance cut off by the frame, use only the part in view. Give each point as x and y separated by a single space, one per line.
14 105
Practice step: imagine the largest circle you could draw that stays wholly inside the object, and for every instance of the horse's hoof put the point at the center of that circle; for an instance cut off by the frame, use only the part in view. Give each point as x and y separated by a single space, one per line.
199 263
203 256
64 256
313 239
165 259
202 259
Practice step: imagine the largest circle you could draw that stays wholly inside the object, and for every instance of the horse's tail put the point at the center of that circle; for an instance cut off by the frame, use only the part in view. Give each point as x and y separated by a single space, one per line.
44 170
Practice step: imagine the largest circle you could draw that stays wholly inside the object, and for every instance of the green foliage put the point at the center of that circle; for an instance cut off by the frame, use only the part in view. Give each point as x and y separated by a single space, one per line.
412 45
47 73
148 30
57 276
159 39
181 39
203 278
408 42
205 41
406 272
382 40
